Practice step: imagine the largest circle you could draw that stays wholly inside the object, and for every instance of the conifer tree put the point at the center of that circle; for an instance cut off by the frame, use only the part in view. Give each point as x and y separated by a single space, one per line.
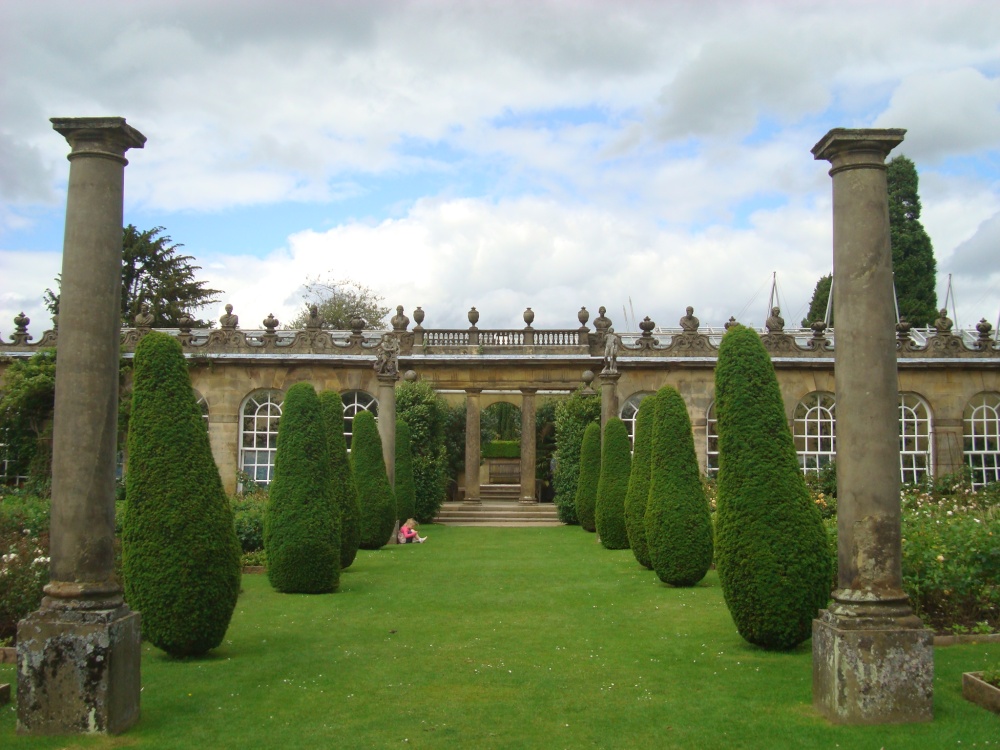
770 545
638 483
406 495
678 521
345 493
590 476
180 554
378 503
914 269
302 526
818 304
616 465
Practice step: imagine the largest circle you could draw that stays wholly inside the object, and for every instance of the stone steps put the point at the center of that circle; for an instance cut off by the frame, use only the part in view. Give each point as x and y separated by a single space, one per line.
500 492
498 513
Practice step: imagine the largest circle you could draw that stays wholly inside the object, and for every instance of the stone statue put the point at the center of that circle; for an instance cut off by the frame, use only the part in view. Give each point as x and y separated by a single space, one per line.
775 323
228 320
314 322
943 324
689 323
612 344
387 357
144 318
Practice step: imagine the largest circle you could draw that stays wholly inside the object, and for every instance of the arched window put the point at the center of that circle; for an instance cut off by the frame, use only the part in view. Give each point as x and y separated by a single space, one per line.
259 434
982 438
629 411
354 402
711 442
815 431
915 439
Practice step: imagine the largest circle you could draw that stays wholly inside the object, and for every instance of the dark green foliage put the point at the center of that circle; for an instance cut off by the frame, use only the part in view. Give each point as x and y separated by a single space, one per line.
180 555
638 483
678 522
345 492
913 266
770 545
406 495
302 531
378 503
454 446
616 465
590 477
425 412
545 447
818 304
502 449
500 421
249 511
338 302
27 396
572 417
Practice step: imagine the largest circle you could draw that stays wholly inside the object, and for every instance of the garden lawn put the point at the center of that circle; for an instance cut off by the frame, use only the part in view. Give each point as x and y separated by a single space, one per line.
503 638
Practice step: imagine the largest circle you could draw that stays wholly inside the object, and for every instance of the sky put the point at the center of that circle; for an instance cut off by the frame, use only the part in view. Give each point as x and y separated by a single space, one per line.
505 154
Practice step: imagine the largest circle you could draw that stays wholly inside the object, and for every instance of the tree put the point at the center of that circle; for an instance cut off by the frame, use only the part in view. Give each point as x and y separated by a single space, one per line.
819 302
678 521
26 403
302 526
378 503
340 301
590 476
153 272
770 545
913 266
345 492
616 465
426 414
572 417
638 483
406 494
180 554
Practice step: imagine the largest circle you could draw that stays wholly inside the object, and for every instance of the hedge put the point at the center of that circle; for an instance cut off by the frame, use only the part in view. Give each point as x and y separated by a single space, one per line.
426 414
345 492
638 483
378 503
616 465
406 495
572 417
502 449
590 477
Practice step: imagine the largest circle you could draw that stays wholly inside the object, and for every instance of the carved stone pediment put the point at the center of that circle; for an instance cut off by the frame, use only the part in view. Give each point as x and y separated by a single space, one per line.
779 343
691 343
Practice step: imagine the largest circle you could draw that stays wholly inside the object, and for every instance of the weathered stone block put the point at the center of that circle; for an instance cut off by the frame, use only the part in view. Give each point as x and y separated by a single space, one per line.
78 671
980 692
872 675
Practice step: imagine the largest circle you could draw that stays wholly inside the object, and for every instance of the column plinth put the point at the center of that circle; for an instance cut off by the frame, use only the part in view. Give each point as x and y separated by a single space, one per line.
528 445
872 659
472 446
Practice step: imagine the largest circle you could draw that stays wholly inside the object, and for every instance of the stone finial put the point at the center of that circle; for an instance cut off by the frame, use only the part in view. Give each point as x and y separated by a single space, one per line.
731 322
185 323
228 320
903 329
689 323
818 329
943 323
583 316
529 317
144 318
602 322
270 323
410 376
357 324
587 377
21 323
984 329
418 318
313 321
473 317
646 325
399 320
775 323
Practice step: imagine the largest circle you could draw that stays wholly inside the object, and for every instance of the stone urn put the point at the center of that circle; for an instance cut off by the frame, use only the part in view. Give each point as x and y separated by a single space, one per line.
529 317
646 326
583 316
473 317
270 323
185 323
418 318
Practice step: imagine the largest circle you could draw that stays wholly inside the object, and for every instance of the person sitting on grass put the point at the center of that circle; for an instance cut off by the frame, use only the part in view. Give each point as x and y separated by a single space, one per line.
409 532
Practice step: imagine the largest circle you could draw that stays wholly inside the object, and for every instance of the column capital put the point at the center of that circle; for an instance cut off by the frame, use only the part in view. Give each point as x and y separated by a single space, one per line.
388 379
473 391
609 377
852 148
529 391
108 137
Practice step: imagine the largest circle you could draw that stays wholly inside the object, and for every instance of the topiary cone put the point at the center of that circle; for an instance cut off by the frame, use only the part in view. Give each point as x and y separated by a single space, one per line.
378 503
590 476
638 483
345 493
616 465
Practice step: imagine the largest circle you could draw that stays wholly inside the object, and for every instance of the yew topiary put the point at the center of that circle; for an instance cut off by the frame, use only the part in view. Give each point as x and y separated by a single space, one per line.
771 548
590 476
638 483
405 491
572 417
345 493
180 555
302 526
616 465
678 521
378 503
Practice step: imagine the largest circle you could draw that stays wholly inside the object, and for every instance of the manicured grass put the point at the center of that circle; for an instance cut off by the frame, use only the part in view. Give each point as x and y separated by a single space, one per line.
503 638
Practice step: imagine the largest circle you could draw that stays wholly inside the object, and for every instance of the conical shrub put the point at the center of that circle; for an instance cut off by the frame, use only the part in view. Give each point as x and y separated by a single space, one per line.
378 503
616 465
405 489
638 482
302 526
180 555
345 493
678 521
590 476
771 549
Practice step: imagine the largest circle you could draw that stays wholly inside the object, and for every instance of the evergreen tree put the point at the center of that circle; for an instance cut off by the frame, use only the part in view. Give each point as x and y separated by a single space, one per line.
345 492
378 503
616 465
590 476
638 483
180 554
302 526
340 301
818 304
913 266
406 495
678 521
572 417
770 545
426 414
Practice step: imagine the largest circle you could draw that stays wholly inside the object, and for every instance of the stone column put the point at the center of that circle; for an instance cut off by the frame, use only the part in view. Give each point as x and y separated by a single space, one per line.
387 422
609 397
528 445
872 659
78 655
472 447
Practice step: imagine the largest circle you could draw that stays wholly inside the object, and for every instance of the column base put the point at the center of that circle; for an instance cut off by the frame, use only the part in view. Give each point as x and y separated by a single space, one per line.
528 501
472 501
870 670
78 671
